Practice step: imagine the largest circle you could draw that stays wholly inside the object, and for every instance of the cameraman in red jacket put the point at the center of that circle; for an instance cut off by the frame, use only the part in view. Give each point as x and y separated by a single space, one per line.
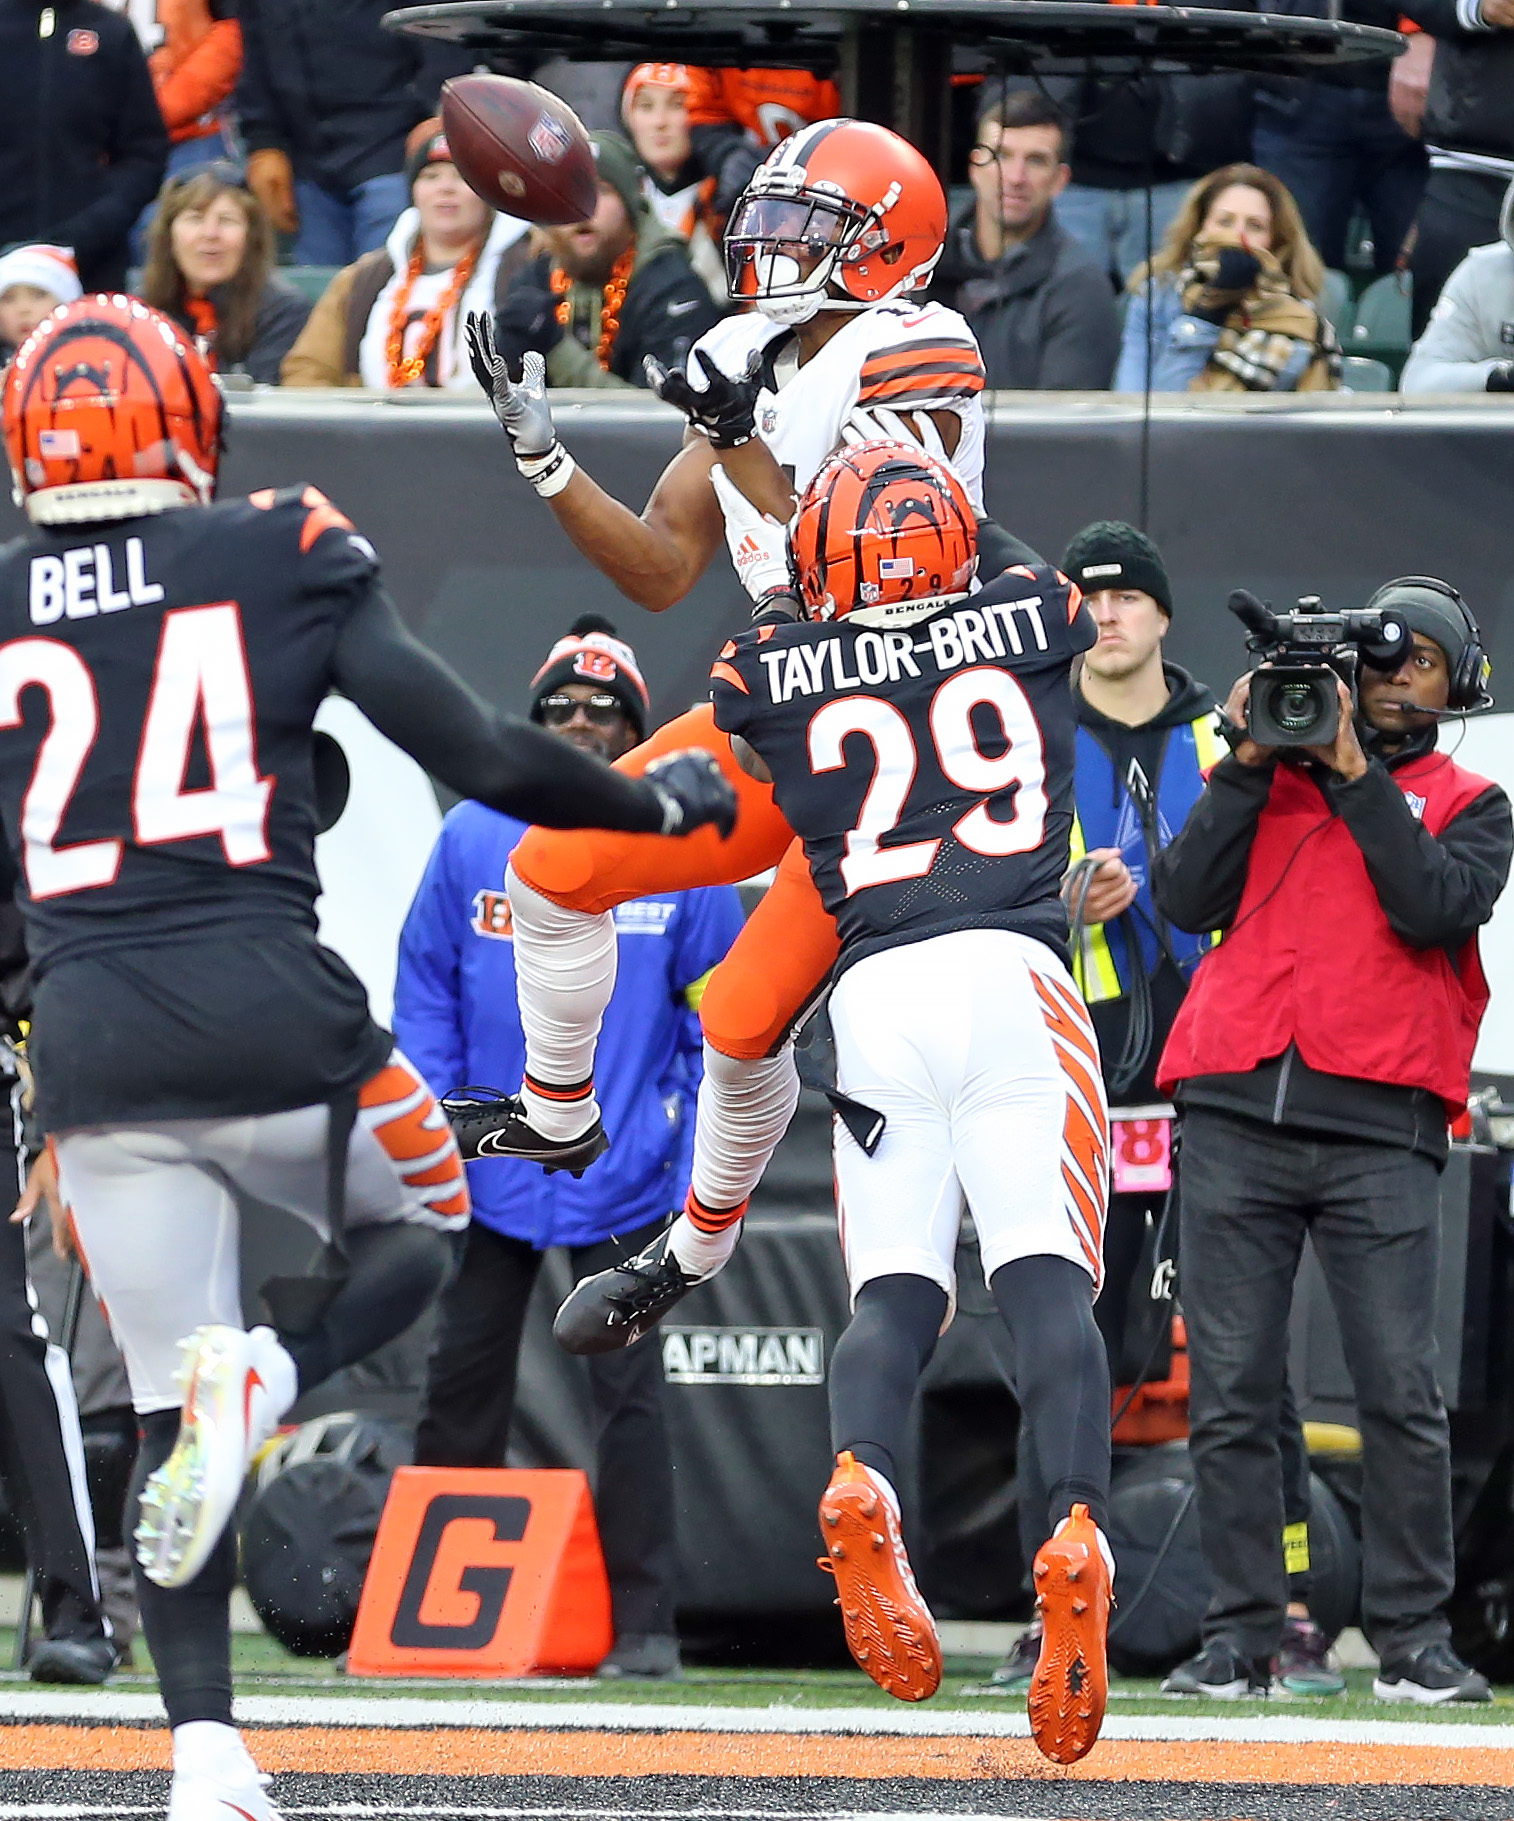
1318 1056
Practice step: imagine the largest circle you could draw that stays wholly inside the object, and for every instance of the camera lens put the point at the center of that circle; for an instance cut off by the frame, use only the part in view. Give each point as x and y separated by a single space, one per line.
1297 707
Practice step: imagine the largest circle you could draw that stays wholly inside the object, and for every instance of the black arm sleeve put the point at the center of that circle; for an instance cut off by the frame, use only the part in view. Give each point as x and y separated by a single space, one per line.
1436 891
1198 878
414 699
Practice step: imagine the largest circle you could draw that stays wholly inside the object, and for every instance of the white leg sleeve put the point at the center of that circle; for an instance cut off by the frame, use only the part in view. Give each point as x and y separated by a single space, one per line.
565 974
744 1109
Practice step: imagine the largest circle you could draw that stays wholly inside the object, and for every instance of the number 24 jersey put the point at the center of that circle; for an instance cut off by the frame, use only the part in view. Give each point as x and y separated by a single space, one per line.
928 769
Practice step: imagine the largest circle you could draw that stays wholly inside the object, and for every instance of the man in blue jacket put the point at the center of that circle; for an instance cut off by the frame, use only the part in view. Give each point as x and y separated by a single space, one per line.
456 1018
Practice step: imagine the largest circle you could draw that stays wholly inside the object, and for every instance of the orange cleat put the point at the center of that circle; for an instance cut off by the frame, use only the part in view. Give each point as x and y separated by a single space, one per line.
889 1630
1071 1681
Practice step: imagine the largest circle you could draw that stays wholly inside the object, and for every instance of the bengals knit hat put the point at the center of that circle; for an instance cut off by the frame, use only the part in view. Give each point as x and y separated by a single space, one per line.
591 653
1112 554
619 166
427 144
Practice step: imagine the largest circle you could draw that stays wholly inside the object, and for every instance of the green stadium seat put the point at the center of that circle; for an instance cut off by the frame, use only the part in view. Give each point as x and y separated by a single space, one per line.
309 281
1335 303
1382 315
1361 375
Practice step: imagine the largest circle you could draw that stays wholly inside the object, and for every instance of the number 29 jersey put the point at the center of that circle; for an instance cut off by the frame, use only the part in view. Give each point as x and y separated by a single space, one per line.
929 769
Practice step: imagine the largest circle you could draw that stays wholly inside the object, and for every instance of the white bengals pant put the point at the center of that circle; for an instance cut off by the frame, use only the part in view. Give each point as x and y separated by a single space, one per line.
157 1220
977 1049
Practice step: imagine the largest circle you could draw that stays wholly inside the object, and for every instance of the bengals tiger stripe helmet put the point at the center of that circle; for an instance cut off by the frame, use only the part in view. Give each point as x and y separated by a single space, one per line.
841 215
885 534
110 412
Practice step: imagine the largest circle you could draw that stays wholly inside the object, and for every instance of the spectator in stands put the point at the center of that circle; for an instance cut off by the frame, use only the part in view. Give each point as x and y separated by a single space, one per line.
1332 139
1468 344
1228 304
395 317
1140 134
690 192
325 101
194 51
1460 72
608 291
1041 308
82 148
767 104
33 282
456 1015
210 267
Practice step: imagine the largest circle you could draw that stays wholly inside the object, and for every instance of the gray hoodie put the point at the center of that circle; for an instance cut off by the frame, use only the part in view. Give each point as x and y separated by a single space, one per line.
1472 326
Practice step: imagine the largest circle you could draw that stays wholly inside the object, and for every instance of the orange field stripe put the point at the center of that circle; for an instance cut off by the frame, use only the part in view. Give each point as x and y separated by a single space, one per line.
475 1752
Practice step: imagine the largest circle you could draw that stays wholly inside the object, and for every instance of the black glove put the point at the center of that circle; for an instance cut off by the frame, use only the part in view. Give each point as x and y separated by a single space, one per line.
1234 278
1501 379
526 322
726 410
692 791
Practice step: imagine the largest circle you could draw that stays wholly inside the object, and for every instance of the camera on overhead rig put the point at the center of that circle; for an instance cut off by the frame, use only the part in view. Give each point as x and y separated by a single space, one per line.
1294 700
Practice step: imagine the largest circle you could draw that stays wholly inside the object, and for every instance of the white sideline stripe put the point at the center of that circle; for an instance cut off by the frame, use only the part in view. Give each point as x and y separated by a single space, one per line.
646 1717
69 1811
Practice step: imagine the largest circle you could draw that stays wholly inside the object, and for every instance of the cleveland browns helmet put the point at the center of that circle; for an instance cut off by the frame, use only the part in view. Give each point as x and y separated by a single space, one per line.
841 215
885 535
110 412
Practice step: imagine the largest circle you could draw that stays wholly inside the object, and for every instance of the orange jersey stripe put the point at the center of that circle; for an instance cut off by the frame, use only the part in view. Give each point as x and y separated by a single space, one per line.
729 674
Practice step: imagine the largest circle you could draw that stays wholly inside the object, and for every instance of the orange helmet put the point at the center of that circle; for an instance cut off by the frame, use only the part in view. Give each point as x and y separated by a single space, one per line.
109 413
884 534
839 216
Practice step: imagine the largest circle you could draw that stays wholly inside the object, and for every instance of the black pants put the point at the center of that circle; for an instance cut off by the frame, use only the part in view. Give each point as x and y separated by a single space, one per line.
1459 212
470 1394
47 1492
1250 1192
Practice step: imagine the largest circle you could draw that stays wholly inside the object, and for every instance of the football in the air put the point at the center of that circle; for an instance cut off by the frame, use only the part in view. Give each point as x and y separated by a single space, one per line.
520 148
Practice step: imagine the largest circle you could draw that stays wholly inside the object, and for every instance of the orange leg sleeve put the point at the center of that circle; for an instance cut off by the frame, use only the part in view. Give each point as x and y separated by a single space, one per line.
774 968
592 869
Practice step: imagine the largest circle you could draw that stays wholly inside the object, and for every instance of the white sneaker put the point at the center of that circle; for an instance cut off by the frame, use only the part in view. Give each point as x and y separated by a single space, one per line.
214 1777
236 1387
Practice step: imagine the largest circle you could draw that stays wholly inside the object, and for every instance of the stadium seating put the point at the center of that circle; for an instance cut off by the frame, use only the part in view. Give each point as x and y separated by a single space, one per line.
1380 329
1335 303
1359 374
309 281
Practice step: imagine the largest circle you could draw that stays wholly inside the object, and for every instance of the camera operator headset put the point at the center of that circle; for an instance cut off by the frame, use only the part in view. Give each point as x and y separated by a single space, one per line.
1323 1046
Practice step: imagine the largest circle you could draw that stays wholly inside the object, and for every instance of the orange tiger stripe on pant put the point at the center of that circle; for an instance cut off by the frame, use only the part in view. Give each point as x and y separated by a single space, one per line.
1085 1128
401 1112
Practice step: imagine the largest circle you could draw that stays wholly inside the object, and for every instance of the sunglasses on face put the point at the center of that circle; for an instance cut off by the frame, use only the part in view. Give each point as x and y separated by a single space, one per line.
599 711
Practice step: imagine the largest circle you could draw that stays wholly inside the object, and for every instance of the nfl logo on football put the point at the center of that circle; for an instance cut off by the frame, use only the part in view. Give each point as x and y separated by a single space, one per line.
549 139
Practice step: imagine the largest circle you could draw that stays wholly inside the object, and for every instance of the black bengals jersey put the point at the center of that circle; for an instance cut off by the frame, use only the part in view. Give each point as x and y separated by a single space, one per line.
158 679
928 769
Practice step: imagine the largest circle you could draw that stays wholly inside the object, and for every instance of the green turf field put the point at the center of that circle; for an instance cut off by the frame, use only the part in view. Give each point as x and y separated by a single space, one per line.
263 1667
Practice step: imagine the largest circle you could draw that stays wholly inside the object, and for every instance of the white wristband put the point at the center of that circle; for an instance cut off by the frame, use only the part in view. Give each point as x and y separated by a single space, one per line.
548 473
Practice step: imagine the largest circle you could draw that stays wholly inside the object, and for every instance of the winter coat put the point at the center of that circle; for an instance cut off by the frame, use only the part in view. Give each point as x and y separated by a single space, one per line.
84 147
1471 329
323 82
342 343
1469 107
282 313
456 1017
194 50
1043 312
1183 346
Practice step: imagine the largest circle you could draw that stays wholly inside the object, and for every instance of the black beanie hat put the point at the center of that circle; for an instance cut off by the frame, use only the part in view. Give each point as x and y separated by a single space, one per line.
1112 554
591 653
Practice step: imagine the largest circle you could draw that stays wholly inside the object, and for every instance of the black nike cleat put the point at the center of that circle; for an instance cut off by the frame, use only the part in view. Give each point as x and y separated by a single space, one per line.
498 1127
614 1308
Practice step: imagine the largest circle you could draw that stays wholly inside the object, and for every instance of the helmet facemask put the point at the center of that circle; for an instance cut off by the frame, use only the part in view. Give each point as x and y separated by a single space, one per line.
775 226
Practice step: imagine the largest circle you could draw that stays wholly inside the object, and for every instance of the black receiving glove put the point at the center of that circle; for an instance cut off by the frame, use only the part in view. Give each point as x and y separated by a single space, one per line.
1501 378
725 410
1234 278
526 322
693 791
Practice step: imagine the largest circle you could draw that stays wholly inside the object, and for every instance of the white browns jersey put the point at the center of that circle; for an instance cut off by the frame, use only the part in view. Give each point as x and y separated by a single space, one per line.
905 356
